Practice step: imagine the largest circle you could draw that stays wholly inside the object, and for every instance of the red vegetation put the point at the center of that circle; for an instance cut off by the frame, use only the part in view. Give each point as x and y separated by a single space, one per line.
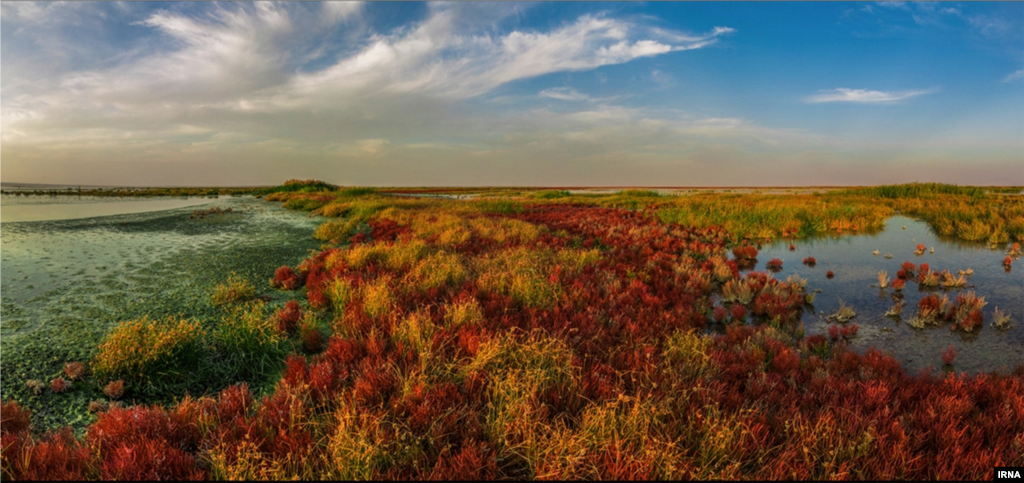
920 247
288 317
948 355
774 264
792 247
745 252
1007 262
810 261
598 368
59 385
829 274
114 389
898 284
286 278
720 313
75 370
313 340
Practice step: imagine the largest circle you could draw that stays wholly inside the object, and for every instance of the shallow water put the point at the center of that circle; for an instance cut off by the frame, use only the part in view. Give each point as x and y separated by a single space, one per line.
856 284
65 283
41 208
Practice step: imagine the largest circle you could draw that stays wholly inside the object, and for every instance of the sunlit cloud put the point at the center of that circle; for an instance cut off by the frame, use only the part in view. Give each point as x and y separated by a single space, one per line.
843 94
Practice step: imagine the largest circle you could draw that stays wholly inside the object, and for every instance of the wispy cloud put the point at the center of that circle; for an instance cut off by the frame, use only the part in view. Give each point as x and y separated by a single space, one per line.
564 94
843 94
1014 76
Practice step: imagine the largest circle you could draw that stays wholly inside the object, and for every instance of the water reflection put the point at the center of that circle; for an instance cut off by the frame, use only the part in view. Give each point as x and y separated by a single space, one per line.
856 267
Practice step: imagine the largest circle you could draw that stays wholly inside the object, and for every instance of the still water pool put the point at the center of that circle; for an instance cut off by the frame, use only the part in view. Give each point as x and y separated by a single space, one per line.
856 269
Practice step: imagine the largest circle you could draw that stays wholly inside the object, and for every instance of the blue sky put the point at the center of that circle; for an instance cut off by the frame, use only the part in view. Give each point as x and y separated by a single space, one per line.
502 93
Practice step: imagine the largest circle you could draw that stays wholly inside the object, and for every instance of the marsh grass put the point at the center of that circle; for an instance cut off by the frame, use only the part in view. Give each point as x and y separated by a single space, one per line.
151 352
235 289
252 341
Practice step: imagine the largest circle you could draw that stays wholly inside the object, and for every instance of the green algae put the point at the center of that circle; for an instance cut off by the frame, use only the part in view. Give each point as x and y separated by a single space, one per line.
66 283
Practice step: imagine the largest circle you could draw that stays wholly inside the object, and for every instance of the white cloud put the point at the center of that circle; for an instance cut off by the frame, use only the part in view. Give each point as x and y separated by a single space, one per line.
564 94
1014 76
434 58
843 94
896 5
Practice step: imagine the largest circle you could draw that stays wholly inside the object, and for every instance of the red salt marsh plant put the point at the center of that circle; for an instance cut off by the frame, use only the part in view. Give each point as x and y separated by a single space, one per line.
774 264
898 284
75 370
949 355
114 389
829 274
288 317
286 278
59 385
810 261
745 252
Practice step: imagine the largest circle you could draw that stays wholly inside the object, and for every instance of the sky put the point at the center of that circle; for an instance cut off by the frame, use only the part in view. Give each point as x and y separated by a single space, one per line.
512 94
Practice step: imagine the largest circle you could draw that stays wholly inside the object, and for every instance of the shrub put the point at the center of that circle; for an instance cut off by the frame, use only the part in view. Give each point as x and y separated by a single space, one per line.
237 289
141 350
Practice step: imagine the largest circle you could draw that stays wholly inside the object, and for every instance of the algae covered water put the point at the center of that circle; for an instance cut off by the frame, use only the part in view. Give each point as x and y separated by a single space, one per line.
855 283
66 283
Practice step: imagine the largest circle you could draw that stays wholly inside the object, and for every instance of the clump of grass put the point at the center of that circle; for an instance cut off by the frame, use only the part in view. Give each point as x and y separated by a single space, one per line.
336 231
737 291
144 350
36 386
843 314
1000 319
236 289
252 342
519 273
883 279
895 310
463 313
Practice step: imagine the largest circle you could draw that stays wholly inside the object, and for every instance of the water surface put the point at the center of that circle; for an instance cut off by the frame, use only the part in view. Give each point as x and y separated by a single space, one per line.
856 284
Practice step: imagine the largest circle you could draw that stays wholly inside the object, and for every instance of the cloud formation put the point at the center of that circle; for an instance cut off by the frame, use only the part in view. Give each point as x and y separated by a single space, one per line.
843 94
